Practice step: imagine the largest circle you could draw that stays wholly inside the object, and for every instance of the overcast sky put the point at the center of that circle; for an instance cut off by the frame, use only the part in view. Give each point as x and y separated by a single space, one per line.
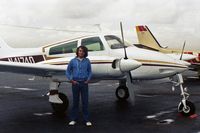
172 21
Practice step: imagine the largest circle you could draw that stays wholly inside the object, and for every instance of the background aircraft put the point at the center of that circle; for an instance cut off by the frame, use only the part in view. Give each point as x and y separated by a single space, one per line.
147 40
111 59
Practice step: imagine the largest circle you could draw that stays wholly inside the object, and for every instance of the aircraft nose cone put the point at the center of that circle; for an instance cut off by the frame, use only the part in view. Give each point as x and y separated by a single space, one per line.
129 64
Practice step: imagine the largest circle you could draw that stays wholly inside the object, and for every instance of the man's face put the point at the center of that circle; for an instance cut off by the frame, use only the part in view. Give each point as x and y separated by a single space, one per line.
81 53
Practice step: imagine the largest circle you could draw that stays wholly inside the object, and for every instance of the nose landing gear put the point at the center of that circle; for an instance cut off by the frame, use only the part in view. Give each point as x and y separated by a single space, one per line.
185 107
188 110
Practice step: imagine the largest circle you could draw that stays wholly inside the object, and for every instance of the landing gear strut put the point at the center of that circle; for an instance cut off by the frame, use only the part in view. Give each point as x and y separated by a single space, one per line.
185 107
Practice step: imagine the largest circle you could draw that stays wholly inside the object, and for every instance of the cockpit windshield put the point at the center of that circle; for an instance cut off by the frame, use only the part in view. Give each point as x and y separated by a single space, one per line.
115 42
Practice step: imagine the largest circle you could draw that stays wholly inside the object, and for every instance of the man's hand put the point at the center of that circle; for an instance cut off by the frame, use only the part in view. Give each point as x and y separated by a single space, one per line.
74 82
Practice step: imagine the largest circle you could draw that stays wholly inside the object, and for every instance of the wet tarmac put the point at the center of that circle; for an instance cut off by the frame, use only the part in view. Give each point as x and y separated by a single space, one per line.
24 108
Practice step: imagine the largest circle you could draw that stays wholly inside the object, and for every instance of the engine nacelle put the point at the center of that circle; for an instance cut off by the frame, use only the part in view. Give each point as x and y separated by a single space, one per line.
126 65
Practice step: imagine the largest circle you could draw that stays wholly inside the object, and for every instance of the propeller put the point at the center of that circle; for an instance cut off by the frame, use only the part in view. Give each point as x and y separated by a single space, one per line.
128 73
182 50
122 34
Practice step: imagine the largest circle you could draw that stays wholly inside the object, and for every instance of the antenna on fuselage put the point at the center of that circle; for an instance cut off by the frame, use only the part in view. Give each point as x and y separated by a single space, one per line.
125 54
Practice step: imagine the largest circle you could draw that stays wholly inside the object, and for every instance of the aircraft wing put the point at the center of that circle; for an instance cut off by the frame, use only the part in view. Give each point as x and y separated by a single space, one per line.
32 69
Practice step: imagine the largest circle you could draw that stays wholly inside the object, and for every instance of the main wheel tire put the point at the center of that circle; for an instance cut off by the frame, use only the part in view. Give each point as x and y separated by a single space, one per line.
59 109
122 93
190 108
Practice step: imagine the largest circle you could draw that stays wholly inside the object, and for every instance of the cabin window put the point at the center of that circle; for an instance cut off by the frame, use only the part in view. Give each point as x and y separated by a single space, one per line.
69 47
115 42
93 44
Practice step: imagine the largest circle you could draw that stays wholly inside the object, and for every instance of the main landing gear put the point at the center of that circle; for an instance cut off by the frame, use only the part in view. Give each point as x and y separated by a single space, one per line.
185 107
59 101
122 92
125 90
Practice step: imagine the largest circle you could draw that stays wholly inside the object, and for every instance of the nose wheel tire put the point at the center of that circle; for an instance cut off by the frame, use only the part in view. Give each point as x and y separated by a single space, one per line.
188 111
59 109
122 93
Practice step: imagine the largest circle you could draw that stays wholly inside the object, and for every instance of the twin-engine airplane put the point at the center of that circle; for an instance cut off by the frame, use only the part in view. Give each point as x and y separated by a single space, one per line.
106 53
147 40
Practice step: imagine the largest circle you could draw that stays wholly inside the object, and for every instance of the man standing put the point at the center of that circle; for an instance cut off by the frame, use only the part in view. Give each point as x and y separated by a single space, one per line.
79 73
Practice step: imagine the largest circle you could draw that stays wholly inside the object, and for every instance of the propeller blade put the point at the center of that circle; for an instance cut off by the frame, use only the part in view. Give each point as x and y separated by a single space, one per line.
125 54
182 50
130 86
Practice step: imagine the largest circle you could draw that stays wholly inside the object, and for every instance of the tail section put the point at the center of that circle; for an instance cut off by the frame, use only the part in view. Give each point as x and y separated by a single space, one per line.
146 38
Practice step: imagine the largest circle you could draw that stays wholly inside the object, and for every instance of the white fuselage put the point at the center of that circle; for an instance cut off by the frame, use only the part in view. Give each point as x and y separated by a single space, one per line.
155 65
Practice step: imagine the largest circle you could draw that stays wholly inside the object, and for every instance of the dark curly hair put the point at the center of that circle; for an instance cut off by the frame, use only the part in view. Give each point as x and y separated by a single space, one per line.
85 50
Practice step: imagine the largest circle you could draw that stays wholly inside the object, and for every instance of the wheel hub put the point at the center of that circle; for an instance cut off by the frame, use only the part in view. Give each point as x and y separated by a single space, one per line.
121 93
187 109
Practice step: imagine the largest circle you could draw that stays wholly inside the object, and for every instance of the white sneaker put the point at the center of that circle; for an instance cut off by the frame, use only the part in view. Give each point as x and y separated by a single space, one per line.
55 99
72 123
88 124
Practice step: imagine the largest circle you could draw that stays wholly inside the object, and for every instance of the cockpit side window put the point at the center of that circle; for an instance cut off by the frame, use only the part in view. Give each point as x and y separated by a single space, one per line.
93 44
69 47
114 42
